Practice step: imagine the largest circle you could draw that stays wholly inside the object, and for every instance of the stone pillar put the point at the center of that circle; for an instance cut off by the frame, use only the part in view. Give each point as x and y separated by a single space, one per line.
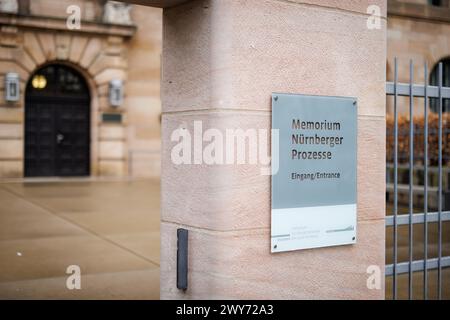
222 59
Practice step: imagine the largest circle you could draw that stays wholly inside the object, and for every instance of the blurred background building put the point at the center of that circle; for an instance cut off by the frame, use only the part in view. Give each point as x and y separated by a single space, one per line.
418 30
87 101
118 46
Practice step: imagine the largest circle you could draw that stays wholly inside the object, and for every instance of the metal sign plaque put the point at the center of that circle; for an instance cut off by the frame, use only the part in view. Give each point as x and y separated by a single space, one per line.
314 190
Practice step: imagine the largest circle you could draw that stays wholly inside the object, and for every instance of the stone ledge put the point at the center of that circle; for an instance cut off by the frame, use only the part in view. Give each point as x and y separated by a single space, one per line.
55 23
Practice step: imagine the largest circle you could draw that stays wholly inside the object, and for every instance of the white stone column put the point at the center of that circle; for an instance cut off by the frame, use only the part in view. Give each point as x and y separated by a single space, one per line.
222 59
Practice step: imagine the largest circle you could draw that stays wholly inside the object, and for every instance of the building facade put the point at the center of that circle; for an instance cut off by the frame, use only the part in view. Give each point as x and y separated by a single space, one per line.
121 43
418 30
88 100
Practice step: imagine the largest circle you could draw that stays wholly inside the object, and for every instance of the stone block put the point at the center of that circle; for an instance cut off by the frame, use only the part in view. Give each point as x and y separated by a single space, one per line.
239 265
233 55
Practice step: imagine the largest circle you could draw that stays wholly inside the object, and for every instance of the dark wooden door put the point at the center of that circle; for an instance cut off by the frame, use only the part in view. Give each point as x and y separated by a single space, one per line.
57 124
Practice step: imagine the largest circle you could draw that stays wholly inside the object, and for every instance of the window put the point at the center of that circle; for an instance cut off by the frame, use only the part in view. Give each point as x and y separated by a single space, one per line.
434 81
437 3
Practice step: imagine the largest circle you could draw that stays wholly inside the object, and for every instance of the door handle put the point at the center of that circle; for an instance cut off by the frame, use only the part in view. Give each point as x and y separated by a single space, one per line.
59 138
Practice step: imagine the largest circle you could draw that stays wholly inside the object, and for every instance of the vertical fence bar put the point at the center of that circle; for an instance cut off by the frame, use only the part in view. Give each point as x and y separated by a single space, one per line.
425 186
394 277
440 188
411 177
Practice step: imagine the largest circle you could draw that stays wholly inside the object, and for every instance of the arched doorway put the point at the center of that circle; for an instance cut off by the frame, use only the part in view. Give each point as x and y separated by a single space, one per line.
57 123
434 81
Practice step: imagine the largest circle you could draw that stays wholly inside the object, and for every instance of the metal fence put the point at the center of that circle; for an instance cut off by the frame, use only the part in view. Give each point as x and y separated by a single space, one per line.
412 218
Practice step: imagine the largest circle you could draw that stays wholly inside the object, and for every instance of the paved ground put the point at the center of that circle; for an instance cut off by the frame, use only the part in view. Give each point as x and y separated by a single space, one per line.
109 229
